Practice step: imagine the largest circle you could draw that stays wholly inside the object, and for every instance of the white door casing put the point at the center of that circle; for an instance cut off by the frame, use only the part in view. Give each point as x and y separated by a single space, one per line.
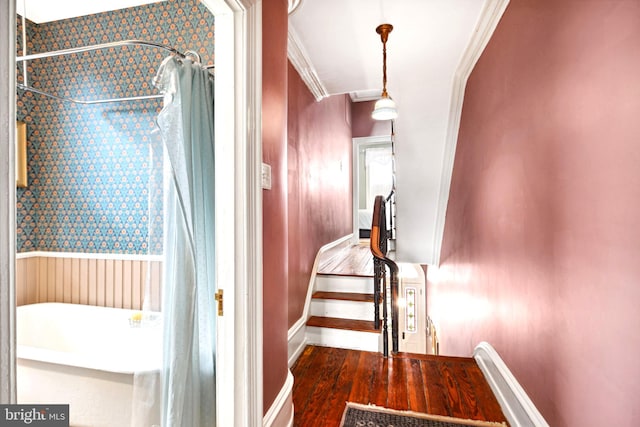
358 143
7 202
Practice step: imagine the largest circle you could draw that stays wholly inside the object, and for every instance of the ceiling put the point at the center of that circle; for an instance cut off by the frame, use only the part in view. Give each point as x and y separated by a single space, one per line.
423 50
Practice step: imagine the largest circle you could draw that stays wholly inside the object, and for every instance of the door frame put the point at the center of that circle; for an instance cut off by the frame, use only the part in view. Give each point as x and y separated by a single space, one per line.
358 143
7 202
239 224
239 209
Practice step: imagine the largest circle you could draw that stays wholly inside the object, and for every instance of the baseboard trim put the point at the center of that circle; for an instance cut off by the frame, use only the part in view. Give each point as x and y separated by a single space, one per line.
280 414
297 340
296 336
514 401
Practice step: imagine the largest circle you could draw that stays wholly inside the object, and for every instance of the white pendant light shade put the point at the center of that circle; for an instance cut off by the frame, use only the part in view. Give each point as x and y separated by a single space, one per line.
385 109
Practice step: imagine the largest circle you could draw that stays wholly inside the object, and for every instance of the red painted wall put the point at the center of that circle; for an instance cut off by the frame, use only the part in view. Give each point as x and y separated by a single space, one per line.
319 159
274 217
542 236
363 124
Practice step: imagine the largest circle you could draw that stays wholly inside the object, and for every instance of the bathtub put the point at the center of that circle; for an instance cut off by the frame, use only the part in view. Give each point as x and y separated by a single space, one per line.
86 357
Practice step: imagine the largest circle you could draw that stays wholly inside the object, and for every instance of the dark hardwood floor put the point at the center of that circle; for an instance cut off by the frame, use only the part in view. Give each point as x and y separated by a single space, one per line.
326 378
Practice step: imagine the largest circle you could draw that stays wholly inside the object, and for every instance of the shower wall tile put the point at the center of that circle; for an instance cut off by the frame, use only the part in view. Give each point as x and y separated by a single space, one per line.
93 169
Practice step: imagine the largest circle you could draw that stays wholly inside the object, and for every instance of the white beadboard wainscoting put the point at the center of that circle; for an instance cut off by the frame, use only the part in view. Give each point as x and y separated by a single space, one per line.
107 280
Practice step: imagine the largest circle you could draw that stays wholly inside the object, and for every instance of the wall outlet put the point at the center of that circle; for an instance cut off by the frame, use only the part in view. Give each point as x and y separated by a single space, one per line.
266 176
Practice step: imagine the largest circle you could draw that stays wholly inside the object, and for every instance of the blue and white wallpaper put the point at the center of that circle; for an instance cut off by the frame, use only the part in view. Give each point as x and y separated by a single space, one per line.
90 167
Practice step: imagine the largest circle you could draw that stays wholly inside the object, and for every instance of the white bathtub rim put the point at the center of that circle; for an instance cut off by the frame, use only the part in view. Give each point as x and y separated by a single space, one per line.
128 362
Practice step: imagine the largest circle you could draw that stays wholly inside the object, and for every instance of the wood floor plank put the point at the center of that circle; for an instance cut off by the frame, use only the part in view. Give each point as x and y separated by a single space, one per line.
397 393
306 380
490 407
304 362
380 382
362 383
468 400
415 387
454 397
435 392
323 388
337 399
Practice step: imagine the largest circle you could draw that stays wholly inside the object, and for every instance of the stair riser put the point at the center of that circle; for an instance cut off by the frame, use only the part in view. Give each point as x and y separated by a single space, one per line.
362 285
342 309
339 338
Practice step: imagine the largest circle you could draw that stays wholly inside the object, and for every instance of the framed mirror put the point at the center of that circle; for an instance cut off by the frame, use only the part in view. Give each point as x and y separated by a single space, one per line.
21 154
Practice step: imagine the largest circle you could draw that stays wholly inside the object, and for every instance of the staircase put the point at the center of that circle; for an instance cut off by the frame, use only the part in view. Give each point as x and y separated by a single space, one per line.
342 312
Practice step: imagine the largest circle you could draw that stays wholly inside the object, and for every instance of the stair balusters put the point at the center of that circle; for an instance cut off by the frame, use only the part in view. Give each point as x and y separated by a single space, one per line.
379 239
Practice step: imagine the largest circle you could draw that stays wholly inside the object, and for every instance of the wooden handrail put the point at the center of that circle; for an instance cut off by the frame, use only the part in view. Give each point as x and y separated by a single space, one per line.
379 239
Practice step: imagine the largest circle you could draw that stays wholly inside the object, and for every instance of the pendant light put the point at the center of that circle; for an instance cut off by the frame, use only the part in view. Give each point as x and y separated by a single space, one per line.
385 108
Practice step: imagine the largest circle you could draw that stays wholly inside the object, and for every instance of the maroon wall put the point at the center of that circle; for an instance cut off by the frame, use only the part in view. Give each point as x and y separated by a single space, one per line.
542 236
274 217
364 125
319 158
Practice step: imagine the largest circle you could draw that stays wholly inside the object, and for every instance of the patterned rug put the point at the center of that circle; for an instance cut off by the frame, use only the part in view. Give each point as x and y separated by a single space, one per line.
357 415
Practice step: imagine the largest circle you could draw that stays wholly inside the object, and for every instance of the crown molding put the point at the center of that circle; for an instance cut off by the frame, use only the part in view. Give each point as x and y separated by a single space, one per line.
301 62
486 25
365 95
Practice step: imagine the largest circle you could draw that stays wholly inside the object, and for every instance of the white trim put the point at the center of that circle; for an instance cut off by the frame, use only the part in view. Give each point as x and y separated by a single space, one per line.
357 143
516 405
297 340
89 255
296 336
238 381
300 60
280 414
7 202
242 242
365 95
486 25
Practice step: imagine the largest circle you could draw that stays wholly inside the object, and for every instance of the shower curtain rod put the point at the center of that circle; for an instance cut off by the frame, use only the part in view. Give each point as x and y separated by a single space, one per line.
98 47
83 102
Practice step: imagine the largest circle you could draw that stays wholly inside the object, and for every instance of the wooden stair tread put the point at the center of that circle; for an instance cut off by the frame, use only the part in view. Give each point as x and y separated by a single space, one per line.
352 274
343 296
347 324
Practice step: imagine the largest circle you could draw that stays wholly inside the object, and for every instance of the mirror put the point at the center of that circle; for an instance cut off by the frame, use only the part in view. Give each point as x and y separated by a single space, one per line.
21 154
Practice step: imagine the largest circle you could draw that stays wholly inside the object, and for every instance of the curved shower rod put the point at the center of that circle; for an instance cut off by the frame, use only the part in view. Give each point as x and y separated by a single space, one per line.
89 48
83 102
98 47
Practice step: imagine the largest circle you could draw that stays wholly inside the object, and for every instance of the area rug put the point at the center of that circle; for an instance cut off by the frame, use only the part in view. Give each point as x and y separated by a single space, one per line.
357 415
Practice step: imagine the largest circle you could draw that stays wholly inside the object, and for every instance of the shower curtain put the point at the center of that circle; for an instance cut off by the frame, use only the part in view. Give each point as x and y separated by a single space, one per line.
186 384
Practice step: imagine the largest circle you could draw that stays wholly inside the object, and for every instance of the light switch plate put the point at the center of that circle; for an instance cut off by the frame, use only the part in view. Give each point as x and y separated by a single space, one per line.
266 176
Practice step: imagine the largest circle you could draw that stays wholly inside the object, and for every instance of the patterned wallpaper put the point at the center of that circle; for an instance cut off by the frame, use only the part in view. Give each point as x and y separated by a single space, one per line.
91 167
